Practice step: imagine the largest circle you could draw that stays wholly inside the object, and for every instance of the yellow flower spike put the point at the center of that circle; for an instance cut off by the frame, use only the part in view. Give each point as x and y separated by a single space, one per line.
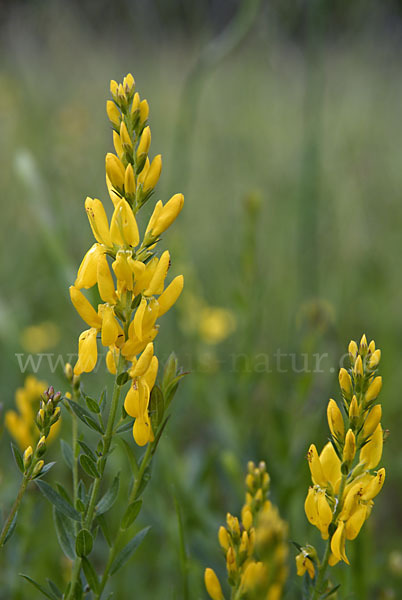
153 174
144 144
373 390
358 368
158 278
144 361
374 360
144 111
139 318
372 420
84 308
349 449
110 327
115 170
87 273
112 358
151 373
335 420
310 506
314 463
303 564
123 226
168 214
113 113
170 295
355 522
363 344
87 352
331 466
345 383
338 543
212 585
354 411
374 487
353 350
98 221
105 281
125 137
117 145
324 513
371 452
371 347
223 537
129 181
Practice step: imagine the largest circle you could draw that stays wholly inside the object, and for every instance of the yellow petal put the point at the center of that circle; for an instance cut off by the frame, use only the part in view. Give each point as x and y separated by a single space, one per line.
314 463
105 281
110 327
338 543
355 522
84 308
335 420
86 276
123 227
144 361
170 295
87 352
331 466
310 506
371 452
212 585
98 221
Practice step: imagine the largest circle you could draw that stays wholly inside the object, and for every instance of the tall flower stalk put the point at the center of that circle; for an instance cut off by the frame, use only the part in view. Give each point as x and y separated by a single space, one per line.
345 476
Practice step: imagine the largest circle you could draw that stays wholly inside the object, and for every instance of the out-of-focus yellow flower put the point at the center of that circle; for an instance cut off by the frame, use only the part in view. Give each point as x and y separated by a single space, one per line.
41 337
21 422
216 324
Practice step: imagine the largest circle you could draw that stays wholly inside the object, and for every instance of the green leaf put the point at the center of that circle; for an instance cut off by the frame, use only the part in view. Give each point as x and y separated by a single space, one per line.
107 501
128 550
130 455
17 457
122 378
87 450
63 492
125 427
89 466
131 514
65 533
144 482
67 453
45 470
84 543
104 528
92 405
156 407
12 528
54 588
60 503
331 591
38 586
90 574
85 416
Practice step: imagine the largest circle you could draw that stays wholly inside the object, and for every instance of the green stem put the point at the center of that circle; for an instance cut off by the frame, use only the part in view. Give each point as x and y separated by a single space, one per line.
107 440
13 512
114 548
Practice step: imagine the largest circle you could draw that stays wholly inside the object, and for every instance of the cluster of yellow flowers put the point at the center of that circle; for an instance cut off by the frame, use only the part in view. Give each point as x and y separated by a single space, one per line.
135 297
21 425
256 548
344 475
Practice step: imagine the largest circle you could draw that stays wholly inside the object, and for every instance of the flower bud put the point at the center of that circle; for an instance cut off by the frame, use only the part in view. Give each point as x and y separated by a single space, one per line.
38 468
223 537
374 360
113 113
212 585
27 457
373 390
349 449
335 420
345 383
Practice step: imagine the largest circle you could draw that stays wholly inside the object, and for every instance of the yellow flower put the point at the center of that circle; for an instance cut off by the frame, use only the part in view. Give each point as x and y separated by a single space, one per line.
303 564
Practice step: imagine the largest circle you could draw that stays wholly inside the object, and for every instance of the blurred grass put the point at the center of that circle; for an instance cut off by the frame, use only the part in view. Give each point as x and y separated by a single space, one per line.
249 137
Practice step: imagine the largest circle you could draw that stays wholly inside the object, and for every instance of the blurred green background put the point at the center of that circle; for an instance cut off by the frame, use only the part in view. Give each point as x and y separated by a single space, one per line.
281 123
